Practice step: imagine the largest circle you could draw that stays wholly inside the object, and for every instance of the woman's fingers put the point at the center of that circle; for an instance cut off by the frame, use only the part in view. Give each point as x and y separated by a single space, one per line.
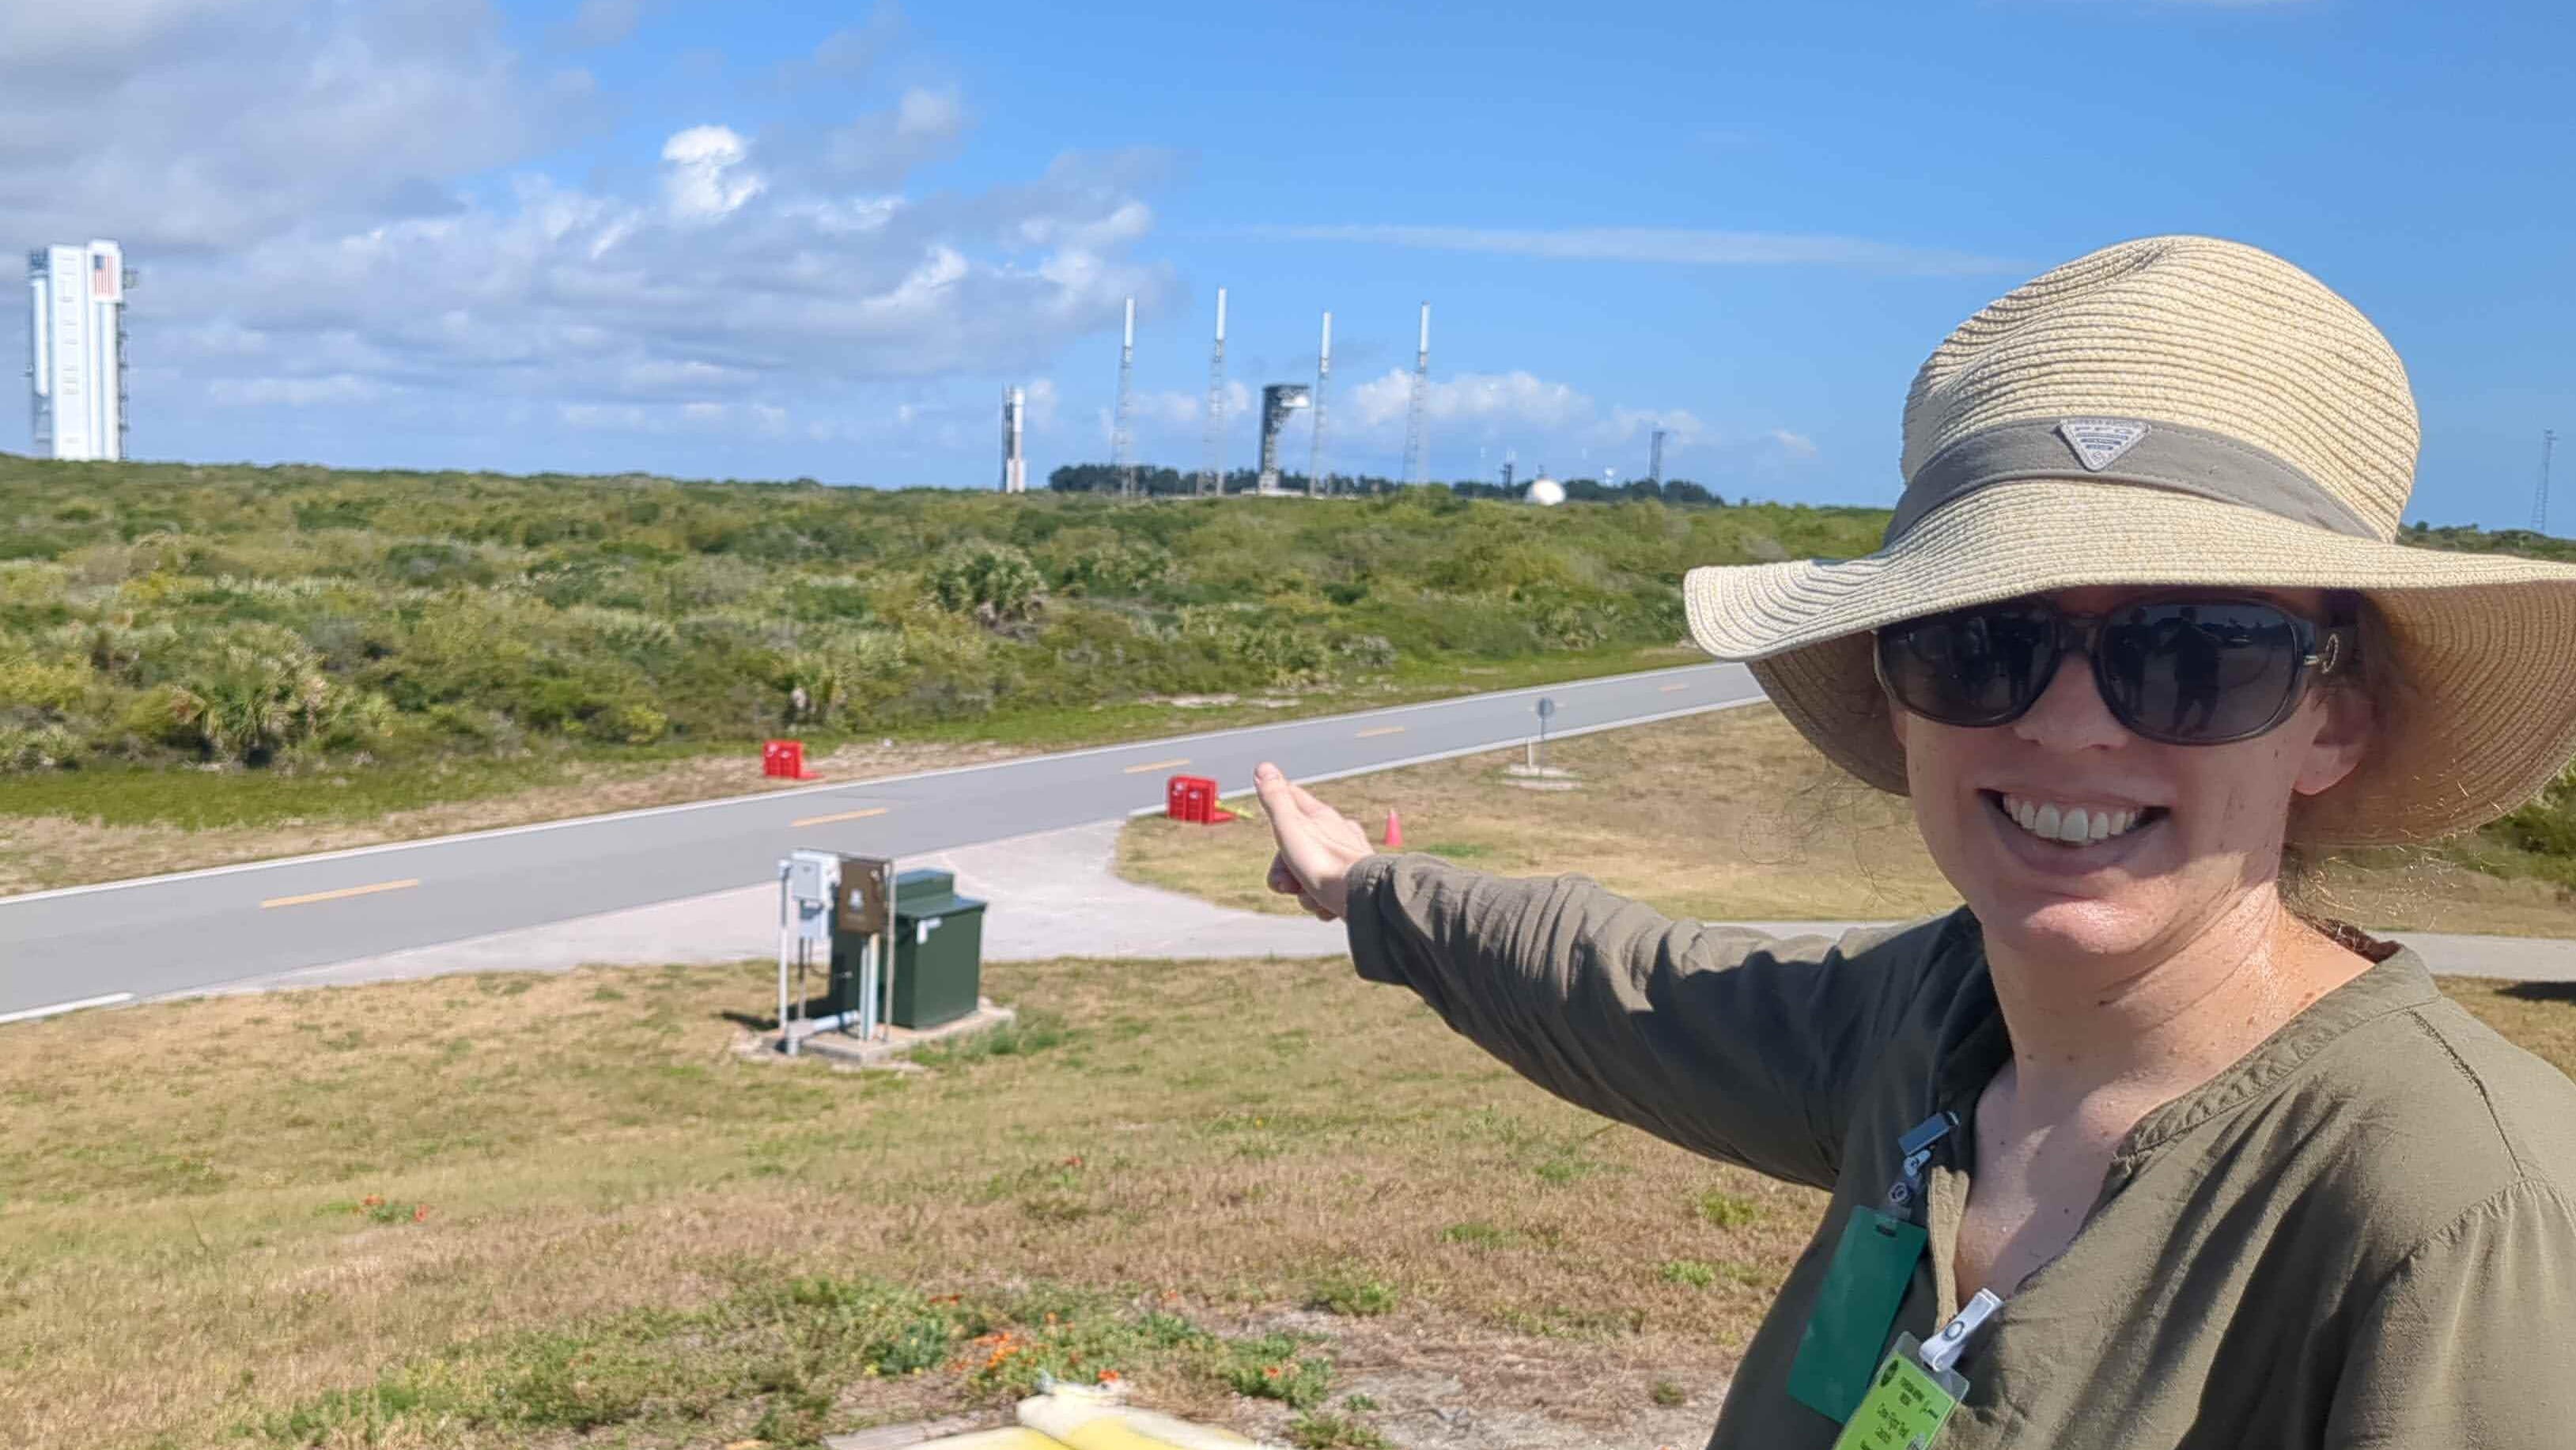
1295 829
1317 844
1314 809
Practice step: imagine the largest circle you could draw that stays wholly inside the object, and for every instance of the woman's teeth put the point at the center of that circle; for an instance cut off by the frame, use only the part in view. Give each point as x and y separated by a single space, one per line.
2075 825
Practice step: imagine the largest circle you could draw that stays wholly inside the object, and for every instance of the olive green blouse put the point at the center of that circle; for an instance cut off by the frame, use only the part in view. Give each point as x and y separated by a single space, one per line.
2362 1234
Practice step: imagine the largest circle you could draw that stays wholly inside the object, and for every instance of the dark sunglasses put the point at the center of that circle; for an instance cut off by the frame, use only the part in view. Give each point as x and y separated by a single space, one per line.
2195 670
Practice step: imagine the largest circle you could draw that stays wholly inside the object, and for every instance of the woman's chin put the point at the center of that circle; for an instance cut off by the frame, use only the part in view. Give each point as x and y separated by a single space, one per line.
2092 927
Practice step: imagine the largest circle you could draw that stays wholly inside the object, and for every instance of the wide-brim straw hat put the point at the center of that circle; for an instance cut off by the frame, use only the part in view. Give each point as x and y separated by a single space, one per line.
2182 411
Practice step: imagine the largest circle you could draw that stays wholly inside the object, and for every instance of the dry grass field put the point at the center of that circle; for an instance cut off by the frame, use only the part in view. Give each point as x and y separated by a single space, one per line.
562 1210
1732 816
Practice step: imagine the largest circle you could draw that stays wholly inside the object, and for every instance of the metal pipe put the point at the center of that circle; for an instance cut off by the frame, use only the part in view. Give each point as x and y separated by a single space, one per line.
786 1042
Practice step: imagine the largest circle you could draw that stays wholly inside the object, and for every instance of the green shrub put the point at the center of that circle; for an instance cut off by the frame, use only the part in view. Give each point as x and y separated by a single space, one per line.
2547 825
1689 1273
1270 1368
995 583
42 686
1352 1294
1721 1209
166 715
1320 1430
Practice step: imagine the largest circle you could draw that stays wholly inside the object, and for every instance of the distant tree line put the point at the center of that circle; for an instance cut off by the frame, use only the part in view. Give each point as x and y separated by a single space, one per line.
1159 482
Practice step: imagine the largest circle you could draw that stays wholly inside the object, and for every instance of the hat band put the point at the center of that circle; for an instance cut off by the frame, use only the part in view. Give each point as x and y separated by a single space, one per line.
2115 450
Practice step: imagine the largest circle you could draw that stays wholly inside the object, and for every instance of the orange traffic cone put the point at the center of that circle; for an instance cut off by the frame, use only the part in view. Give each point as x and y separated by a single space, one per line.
1394 830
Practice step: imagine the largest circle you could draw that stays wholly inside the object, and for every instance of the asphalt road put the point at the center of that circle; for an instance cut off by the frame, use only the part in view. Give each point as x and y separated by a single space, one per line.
126 940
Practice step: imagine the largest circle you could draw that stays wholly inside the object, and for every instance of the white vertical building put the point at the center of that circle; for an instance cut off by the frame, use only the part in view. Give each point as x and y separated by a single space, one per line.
1015 467
76 350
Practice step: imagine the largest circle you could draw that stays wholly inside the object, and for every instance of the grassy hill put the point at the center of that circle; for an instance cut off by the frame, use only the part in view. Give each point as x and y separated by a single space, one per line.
289 623
294 619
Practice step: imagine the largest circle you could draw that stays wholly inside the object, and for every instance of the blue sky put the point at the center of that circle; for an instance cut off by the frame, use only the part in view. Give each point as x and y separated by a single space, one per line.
773 239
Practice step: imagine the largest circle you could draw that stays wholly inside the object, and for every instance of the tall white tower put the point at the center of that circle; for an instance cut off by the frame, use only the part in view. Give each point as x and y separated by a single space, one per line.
1315 481
1015 468
1122 439
1417 405
76 351
1212 475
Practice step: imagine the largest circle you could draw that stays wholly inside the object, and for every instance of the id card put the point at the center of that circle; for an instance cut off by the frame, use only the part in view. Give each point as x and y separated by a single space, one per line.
1854 1308
1906 1405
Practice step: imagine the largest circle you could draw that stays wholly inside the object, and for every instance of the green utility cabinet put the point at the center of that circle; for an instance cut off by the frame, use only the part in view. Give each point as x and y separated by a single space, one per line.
938 950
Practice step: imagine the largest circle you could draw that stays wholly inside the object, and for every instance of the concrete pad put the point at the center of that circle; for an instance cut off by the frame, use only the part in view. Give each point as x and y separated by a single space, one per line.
887 1050
1058 894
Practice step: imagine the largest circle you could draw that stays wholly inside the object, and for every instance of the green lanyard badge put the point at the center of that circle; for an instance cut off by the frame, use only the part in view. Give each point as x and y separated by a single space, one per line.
1864 1286
1917 1386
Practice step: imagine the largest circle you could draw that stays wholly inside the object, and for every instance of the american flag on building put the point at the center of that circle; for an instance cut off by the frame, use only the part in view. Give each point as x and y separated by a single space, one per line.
102 277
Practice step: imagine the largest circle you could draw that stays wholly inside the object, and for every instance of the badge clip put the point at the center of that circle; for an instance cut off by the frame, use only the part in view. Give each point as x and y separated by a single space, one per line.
1941 1356
1916 1146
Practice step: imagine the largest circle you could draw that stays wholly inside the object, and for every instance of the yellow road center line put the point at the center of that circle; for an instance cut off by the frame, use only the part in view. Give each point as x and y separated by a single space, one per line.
1157 765
1382 730
1668 689
310 897
843 816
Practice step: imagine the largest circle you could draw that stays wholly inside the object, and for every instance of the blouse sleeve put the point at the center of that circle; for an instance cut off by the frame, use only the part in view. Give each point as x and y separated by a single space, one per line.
2472 1343
1739 1046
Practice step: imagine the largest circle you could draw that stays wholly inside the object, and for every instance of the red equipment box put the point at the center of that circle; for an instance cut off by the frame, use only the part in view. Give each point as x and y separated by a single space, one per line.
1193 798
784 759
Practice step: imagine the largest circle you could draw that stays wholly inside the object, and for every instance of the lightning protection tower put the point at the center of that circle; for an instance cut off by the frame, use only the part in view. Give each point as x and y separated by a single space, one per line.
2540 499
1420 401
1655 455
1212 473
1122 438
1315 482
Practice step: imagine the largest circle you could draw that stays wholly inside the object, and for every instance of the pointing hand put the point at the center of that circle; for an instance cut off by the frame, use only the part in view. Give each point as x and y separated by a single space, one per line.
1317 844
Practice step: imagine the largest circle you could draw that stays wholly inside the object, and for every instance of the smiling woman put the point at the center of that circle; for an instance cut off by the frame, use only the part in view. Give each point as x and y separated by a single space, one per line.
2125 1152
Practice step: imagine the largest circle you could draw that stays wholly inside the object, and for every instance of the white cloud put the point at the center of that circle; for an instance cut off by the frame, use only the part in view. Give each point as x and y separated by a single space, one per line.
1669 245
1682 429
705 175
1495 404
1180 417
186 125
730 289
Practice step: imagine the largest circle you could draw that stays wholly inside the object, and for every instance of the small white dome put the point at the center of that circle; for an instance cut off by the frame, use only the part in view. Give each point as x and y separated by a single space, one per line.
1545 492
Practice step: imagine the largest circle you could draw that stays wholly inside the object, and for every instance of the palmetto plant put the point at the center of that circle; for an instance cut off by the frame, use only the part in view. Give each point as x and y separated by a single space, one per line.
255 701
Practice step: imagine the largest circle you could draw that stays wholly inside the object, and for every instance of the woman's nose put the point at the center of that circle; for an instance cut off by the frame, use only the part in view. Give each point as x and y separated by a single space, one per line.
2070 714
